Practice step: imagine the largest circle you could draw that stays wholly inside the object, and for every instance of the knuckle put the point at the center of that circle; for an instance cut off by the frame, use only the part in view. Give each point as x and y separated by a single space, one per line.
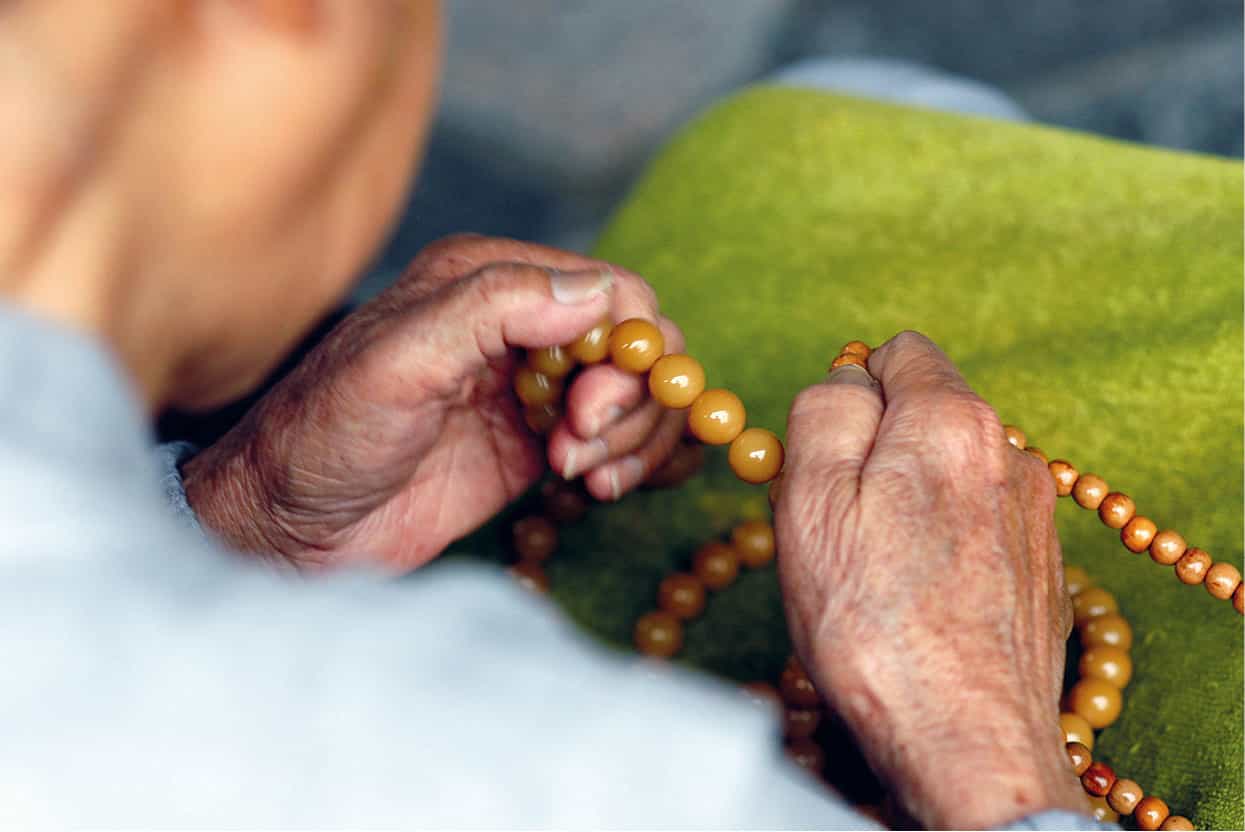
967 433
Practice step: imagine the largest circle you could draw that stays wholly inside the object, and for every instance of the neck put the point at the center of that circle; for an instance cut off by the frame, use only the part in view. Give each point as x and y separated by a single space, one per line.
79 272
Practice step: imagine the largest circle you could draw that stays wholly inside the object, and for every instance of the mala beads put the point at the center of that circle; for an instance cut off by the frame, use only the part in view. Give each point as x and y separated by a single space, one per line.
1094 702
717 417
1139 533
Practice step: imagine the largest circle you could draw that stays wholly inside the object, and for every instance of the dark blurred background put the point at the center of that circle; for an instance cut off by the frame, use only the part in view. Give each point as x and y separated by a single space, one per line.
550 107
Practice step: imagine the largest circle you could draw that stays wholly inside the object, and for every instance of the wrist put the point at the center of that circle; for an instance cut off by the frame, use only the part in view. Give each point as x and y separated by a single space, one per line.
223 490
981 760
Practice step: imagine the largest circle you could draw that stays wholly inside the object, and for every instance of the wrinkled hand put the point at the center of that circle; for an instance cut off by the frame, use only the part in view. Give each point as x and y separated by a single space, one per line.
924 587
400 433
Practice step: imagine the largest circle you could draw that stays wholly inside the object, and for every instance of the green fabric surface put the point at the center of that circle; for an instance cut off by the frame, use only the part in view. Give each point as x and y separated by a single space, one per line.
1090 290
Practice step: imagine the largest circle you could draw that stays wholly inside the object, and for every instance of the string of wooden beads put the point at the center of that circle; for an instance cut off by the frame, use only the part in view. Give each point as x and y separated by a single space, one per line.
1139 533
1095 701
715 416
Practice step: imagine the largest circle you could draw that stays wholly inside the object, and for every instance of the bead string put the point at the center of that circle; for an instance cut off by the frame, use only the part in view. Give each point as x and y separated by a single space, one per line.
717 417
1139 533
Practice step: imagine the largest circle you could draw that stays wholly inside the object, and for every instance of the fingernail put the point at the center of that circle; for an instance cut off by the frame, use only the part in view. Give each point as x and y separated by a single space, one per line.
580 458
580 287
626 475
851 374
612 414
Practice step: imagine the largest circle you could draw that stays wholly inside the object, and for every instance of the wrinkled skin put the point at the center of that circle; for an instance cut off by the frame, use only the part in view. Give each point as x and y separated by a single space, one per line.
400 432
924 586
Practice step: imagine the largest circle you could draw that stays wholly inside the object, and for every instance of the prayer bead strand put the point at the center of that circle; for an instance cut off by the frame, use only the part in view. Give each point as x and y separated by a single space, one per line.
717 417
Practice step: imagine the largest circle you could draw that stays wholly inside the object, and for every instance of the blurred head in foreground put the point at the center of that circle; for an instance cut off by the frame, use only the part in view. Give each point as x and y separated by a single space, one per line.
197 181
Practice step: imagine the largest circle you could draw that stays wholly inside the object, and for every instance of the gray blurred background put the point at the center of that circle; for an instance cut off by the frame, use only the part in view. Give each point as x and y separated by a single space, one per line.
551 107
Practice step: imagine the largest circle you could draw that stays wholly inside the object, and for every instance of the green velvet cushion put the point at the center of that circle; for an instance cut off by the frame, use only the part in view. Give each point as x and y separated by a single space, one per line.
1090 290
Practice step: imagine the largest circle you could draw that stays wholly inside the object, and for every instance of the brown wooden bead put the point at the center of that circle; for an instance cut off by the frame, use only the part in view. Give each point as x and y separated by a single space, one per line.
1098 779
1076 579
676 380
800 723
756 456
1110 664
535 538
754 541
1167 547
1101 810
850 358
686 461
1076 729
1079 756
797 688
857 348
563 502
1015 436
1111 630
1222 579
1064 474
593 346
555 362
682 595
1090 490
717 417
716 564
1125 795
1116 510
1092 603
542 419
531 576
1193 566
535 389
1035 451
1098 701
1177 822
763 693
659 634
1138 533
1150 813
635 345
1238 599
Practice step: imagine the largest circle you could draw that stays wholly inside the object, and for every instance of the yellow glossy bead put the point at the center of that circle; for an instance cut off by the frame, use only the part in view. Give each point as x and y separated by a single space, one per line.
635 345
593 346
1111 630
1076 579
676 380
1093 603
555 362
536 389
756 456
1097 701
717 417
1076 729
1110 664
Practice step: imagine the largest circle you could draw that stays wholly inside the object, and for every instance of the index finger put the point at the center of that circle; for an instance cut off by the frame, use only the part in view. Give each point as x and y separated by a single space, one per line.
911 366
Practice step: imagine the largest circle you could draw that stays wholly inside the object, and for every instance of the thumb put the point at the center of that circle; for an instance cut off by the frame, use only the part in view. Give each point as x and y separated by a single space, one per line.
506 305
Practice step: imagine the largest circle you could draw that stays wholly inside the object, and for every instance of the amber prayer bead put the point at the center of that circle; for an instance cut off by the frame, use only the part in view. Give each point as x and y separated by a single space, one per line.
717 417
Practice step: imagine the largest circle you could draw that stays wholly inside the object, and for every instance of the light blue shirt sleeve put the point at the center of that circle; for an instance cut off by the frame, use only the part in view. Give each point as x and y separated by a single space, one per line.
449 700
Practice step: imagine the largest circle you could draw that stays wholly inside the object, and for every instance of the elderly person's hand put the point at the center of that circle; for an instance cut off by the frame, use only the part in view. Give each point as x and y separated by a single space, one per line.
400 433
924 587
